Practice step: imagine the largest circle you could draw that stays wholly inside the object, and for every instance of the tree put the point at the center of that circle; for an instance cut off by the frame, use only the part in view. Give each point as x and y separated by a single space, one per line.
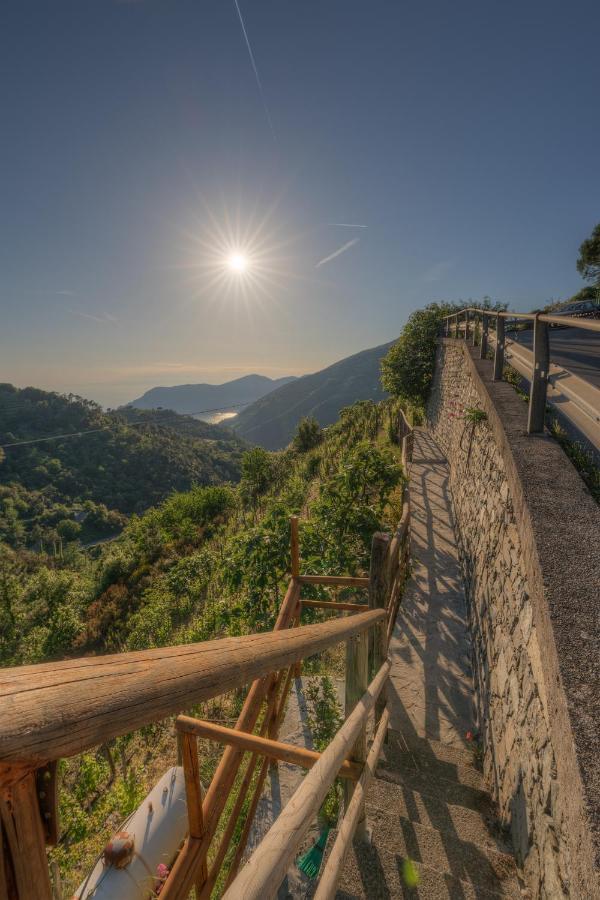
309 434
257 473
68 529
407 369
588 264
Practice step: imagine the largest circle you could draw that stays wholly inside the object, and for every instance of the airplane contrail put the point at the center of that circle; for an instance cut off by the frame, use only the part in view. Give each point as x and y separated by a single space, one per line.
337 252
257 76
346 225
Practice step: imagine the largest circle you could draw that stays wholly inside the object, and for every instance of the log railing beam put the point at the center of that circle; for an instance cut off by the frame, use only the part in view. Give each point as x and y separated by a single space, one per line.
54 710
335 580
290 753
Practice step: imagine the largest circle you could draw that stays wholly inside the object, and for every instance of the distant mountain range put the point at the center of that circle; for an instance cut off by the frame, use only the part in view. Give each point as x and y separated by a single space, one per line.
194 398
272 420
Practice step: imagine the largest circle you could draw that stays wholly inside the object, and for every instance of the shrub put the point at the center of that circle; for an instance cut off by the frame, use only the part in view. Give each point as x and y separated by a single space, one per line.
407 369
309 434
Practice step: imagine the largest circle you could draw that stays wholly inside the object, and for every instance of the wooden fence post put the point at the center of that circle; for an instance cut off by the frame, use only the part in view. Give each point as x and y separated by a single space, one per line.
24 870
499 354
539 377
485 323
193 793
357 682
475 328
294 546
380 584
456 326
295 569
467 324
379 587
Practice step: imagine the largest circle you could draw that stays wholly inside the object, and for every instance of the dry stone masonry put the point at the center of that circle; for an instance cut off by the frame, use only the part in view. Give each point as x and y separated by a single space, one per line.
539 752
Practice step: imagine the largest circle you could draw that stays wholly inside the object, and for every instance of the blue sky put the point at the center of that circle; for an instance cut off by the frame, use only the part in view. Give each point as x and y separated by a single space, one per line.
136 152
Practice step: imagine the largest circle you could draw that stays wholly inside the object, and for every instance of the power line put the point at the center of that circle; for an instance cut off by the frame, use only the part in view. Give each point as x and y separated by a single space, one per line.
72 434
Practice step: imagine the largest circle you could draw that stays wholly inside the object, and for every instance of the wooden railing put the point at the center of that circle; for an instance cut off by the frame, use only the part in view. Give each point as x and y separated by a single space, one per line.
60 709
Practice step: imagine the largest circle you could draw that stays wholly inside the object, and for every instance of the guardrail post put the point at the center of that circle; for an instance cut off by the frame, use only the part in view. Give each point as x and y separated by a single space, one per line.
357 682
485 324
467 315
499 354
539 376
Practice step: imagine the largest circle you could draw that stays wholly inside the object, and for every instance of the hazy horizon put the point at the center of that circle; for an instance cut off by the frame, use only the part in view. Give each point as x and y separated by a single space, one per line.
172 214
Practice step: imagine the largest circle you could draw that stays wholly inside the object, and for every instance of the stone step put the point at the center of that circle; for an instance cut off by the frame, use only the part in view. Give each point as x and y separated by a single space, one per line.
429 749
447 867
445 790
396 757
457 821
378 875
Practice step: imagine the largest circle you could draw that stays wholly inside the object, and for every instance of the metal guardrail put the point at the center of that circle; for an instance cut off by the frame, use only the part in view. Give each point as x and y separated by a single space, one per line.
577 400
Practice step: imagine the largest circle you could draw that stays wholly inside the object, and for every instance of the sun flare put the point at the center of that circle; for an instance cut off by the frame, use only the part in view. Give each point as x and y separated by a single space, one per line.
237 262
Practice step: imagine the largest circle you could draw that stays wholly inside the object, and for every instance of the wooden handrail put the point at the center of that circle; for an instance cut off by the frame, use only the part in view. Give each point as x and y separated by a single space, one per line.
298 756
333 604
335 580
60 709
263 873
327 884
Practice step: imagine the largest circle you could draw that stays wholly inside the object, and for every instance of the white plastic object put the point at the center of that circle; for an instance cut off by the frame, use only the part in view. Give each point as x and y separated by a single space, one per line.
158 826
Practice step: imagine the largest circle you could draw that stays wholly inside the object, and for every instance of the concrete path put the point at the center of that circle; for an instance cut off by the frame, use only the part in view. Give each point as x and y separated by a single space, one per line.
431 683
434 829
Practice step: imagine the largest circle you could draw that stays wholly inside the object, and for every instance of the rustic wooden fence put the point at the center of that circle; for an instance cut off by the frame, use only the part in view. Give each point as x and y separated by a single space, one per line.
56 710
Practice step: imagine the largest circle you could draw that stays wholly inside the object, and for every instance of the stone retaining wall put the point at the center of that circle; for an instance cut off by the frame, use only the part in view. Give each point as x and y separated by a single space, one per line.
533 619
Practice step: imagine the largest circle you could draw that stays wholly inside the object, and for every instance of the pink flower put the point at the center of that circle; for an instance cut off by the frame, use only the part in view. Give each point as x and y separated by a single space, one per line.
162 872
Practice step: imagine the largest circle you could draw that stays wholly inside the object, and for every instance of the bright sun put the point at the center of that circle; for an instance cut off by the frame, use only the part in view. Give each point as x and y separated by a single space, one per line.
237 262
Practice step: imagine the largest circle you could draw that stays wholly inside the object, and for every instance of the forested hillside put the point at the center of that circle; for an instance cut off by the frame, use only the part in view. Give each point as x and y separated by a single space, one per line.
193 398
123 462
205 563
272 421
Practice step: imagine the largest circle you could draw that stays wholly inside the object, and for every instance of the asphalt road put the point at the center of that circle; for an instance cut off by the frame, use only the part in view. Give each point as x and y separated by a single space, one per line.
576 349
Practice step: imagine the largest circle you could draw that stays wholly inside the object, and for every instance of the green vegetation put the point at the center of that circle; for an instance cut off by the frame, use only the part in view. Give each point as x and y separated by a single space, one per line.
82 488
324 713
308 434
407 369
582 460
588 263
208 562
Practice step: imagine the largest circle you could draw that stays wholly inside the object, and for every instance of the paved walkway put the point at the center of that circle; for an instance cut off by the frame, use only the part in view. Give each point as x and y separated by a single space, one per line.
434 835
431 684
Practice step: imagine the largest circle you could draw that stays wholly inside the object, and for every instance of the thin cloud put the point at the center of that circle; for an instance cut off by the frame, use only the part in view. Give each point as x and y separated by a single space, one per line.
255 68
337 252
346 225
104 319
438 270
